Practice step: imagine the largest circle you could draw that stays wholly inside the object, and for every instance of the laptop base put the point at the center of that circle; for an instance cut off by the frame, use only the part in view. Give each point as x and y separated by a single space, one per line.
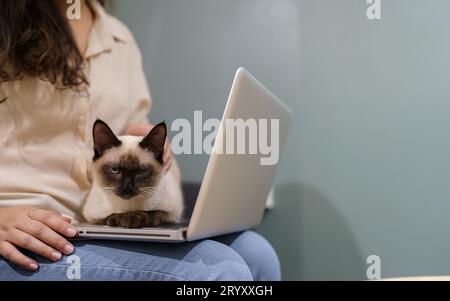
170 233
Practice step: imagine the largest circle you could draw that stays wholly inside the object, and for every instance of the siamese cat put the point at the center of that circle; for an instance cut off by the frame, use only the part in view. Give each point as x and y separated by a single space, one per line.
130 188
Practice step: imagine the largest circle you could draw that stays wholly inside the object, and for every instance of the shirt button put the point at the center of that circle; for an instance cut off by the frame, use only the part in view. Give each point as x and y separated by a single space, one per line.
81 145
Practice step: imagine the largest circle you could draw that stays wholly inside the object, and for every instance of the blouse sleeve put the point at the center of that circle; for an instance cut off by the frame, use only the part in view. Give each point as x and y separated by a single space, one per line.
139 93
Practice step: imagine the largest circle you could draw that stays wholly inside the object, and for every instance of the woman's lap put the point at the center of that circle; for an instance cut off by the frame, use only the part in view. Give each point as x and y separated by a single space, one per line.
257 253
242 256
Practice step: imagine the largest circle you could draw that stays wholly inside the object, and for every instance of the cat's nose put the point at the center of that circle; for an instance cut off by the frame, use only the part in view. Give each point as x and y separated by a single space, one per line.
127 189
127 193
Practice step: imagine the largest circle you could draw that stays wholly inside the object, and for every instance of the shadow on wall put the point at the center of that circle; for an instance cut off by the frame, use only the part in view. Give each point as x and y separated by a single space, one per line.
316 243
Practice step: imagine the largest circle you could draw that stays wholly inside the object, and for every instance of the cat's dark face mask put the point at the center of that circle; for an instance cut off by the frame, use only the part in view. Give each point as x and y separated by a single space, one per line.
128 177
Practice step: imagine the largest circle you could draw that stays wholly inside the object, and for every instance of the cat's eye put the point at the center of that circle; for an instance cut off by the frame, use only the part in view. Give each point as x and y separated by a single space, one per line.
115 170
144 172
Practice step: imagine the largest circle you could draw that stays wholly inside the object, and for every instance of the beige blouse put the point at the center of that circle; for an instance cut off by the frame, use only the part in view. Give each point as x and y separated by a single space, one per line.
45 133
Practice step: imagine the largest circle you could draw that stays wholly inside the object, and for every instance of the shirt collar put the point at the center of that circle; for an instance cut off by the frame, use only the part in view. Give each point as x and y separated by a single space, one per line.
104 33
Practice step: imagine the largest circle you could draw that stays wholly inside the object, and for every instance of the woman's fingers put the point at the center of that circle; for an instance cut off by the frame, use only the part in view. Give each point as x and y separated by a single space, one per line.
66 218
31 243
167 164
54 220
10 253
48 236
35 230
167 157
138 129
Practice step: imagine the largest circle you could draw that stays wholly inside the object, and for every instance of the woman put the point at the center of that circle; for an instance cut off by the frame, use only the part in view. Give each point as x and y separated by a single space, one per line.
57 76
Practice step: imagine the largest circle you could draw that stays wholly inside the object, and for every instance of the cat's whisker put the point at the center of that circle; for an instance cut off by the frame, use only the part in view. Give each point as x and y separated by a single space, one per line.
109 189
147 192
147 189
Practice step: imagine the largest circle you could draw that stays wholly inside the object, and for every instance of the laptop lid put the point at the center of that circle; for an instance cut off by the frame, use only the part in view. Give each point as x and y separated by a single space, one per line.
241 167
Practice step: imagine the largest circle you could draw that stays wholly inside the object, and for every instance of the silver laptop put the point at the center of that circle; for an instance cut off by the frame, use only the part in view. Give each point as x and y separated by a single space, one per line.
235 186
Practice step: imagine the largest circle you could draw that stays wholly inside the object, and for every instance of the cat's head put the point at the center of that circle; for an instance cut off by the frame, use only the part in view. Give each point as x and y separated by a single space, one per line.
128 166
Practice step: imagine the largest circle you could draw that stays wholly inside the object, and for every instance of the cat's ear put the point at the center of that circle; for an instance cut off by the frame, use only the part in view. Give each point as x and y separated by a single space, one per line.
155 140
104 138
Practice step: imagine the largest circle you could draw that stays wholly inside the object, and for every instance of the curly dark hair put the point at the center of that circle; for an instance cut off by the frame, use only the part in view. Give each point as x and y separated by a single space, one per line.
36 39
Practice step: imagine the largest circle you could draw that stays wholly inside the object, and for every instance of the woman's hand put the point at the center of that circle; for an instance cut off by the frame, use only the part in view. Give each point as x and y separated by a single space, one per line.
142 129
39 231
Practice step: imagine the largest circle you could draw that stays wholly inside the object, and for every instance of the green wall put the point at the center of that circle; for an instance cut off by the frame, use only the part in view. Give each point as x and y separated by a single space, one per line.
367 167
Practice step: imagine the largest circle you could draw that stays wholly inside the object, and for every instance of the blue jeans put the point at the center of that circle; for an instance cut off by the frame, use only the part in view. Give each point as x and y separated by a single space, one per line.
242 256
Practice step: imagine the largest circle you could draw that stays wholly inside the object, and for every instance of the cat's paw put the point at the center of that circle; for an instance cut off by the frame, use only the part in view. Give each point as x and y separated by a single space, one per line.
158 218
139 219
135 219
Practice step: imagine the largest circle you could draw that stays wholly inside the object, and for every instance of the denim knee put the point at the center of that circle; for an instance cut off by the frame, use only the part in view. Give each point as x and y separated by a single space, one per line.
257 253
214 261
